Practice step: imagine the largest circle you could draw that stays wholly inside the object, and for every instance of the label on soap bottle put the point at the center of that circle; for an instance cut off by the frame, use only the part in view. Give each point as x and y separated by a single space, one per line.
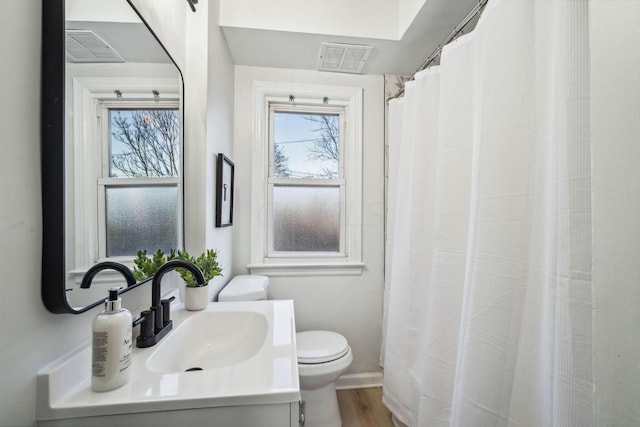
127 350
99 353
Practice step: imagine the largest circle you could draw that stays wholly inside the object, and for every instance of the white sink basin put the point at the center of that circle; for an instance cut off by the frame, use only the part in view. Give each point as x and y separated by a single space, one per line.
210 339
249 365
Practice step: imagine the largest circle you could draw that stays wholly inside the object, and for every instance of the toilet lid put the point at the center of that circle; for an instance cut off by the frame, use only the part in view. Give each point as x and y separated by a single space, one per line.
245 287
320 346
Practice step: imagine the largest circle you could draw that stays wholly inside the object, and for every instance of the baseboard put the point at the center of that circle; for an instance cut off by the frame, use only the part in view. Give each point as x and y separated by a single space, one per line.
359 380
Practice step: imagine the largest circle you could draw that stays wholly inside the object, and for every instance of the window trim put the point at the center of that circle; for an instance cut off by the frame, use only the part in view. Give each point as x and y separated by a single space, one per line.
87 93
306 264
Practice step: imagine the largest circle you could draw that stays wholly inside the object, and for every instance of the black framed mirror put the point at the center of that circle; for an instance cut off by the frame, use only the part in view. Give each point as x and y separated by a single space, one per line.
100 69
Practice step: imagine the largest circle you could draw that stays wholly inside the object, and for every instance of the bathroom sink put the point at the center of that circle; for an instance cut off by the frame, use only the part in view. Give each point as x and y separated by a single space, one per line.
210 339
246 363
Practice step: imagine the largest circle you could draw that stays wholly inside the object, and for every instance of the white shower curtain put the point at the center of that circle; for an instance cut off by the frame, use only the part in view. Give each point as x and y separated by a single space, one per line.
488 287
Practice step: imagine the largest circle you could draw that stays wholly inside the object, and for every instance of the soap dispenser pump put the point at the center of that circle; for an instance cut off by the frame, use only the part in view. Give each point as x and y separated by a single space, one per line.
112 345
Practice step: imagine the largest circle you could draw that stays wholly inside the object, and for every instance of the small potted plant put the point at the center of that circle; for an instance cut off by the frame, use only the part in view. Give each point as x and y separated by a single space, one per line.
196 295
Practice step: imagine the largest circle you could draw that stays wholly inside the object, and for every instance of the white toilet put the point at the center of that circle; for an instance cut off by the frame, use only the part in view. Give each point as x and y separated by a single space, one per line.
322 357
245 288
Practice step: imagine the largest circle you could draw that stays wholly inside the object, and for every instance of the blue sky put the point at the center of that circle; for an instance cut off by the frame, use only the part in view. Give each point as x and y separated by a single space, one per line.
296 135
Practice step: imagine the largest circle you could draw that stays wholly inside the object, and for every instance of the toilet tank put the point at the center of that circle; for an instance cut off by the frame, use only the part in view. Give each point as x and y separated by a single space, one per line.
245 288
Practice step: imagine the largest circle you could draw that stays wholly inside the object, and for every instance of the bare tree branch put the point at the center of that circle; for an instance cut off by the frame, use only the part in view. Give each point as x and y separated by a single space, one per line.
327 145
151 140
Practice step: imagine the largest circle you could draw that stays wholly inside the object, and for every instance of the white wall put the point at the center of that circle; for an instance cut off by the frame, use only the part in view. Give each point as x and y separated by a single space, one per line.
407 11
208 95
376 19
350 305
95 10
219 119
354 18
615 118
168 19
31 336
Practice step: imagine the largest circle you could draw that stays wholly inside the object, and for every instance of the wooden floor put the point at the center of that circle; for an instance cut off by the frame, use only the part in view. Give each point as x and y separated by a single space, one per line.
363 407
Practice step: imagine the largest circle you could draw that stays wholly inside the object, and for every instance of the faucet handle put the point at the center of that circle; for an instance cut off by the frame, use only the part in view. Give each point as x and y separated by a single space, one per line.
157 318
166 314
147 336
146 321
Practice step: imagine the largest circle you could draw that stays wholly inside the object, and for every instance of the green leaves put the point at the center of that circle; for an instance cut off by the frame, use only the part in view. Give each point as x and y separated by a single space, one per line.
207 262
146 267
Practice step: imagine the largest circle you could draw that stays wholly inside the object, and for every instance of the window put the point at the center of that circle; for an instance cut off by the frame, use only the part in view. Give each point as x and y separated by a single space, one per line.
306 190
306 181
140 183
125 160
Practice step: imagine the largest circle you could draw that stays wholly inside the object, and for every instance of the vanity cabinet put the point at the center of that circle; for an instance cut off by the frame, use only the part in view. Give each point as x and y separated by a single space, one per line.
273 415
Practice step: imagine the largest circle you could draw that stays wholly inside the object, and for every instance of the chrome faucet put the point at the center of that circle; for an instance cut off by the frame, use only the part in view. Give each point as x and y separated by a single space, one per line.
156 322
107 265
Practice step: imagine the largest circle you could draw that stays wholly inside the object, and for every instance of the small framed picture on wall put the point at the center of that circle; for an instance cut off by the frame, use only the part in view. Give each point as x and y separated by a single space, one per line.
224 192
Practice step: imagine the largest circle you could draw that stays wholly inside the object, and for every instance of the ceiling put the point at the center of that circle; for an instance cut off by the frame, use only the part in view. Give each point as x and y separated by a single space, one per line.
284 49
132 41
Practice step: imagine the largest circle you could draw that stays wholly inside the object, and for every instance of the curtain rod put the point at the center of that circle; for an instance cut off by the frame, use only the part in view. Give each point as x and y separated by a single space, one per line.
477 9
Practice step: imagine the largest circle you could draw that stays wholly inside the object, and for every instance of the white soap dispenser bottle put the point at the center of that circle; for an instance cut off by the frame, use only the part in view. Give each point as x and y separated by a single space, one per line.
112 345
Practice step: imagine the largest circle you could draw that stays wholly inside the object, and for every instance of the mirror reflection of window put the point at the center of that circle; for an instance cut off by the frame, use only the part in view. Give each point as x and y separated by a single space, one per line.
140 182
140 217
144 142
111 56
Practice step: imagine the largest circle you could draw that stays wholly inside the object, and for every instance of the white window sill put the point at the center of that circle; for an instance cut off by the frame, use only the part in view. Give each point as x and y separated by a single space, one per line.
326 269
105 276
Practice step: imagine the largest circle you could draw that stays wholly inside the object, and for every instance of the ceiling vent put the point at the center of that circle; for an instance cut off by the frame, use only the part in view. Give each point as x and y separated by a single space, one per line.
343 58
87 46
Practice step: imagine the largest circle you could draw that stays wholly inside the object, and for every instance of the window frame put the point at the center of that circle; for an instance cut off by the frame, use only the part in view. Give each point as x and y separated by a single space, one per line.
83 132
305 97
105 180
339 182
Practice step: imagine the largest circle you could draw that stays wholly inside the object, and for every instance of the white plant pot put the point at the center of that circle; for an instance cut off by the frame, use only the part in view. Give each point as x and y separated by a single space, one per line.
196 298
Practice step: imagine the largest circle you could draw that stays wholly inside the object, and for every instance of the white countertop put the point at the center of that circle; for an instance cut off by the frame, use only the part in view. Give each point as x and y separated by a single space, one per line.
268 377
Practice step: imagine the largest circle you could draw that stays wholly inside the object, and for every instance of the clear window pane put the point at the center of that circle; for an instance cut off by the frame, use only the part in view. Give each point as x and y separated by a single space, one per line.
144 143
141 217
306 145
306 219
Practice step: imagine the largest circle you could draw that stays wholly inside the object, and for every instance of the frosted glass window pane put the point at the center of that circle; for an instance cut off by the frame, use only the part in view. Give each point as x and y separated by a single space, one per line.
144 143
306 219
306 145
141 217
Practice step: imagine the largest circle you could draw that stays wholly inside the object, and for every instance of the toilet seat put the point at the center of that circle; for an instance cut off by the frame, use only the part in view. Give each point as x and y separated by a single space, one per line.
320 346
